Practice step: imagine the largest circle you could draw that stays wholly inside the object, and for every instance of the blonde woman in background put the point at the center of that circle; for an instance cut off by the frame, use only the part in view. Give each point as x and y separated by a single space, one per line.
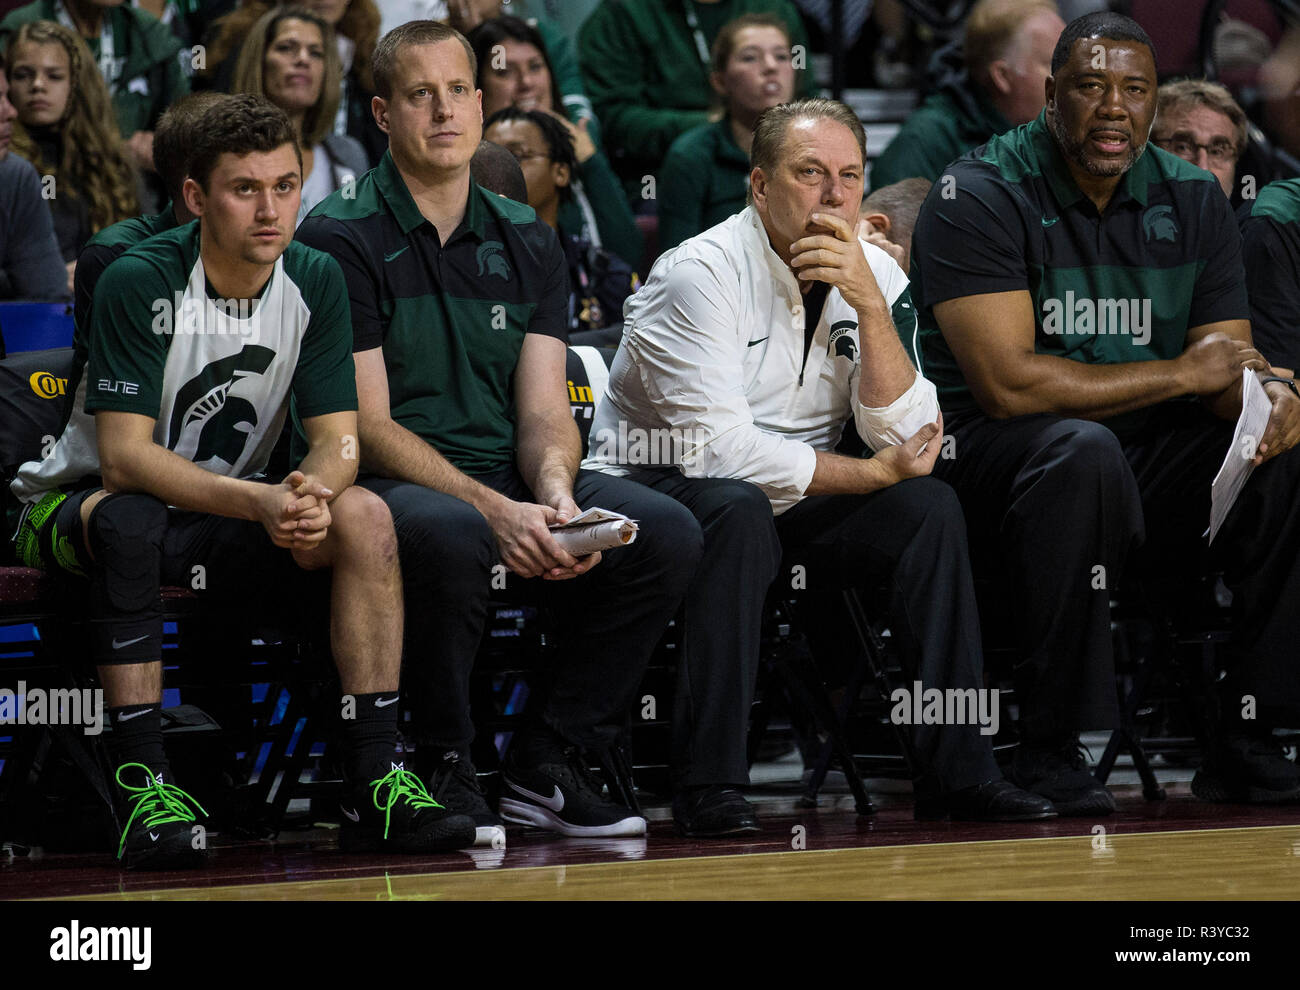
289 57
356 31
66 128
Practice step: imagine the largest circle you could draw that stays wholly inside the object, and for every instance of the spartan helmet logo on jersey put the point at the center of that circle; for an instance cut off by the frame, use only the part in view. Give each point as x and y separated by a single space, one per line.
491 258
204 403
1159 224
840 343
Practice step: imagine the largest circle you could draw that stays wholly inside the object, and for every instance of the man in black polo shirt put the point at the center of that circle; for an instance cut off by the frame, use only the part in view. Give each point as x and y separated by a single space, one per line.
1270 247
459 313
1078 291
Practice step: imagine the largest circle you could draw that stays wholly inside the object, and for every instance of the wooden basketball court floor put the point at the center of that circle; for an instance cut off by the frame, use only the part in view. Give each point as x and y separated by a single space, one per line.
1178 849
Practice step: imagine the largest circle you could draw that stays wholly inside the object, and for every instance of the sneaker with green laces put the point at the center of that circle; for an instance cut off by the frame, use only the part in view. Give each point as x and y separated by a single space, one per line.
395 813
161 831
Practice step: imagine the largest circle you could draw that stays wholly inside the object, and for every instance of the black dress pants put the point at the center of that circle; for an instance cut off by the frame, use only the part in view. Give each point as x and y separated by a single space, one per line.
1059 508
609 619
909 537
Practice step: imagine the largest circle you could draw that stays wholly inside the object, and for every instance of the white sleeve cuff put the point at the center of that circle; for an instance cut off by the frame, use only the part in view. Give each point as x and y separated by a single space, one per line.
805 468
893 424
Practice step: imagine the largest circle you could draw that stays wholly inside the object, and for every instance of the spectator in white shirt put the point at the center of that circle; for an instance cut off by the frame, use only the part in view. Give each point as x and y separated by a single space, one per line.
397 12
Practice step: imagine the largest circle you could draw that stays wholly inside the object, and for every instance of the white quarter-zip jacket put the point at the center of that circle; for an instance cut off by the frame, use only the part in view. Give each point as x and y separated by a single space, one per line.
712 376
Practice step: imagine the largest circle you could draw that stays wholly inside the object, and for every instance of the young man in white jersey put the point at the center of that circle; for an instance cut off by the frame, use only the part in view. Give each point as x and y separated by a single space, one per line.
200 338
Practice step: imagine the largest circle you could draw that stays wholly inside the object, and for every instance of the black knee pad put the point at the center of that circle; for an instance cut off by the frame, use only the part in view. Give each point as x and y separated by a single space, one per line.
126 533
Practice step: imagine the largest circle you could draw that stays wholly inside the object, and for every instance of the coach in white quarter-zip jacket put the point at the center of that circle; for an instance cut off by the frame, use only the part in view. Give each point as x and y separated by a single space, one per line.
743 357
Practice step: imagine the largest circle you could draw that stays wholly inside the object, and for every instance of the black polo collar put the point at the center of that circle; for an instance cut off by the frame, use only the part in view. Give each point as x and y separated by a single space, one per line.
1132 187
393 189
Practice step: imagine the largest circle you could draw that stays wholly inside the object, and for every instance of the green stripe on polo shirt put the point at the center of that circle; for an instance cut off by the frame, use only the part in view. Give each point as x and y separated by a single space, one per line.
469 416
1108 314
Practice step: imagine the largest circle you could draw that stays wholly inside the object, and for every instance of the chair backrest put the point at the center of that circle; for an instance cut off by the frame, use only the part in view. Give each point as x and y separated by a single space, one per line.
587 371
33 399
34 326
1174 27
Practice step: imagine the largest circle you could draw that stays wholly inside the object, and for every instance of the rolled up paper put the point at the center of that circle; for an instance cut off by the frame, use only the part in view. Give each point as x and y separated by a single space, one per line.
582 540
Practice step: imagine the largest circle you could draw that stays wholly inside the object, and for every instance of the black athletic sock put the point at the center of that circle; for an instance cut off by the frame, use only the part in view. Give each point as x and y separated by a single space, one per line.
369 725
137 738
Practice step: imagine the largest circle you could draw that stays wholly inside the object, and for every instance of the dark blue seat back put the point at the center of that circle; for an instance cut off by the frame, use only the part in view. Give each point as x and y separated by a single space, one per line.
34 326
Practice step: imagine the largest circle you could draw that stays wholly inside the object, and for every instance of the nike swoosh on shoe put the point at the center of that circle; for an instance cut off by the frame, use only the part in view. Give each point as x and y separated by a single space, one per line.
555 803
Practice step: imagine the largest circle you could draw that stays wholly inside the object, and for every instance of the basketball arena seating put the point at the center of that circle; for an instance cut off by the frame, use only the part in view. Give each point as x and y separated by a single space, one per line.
270 692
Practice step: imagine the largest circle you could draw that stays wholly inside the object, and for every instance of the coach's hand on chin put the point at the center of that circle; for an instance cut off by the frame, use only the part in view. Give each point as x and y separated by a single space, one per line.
837 259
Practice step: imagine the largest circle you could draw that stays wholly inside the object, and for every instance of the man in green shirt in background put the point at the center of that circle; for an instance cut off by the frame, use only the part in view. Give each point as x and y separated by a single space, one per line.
1270 249
1007 52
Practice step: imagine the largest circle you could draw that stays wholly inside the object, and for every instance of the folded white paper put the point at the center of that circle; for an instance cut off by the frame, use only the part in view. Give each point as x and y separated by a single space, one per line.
595 529
1239 462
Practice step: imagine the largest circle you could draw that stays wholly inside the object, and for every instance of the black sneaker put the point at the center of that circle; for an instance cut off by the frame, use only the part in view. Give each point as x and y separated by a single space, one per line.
1247 769
559 793
396 814
455 785
160 832
1059 772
